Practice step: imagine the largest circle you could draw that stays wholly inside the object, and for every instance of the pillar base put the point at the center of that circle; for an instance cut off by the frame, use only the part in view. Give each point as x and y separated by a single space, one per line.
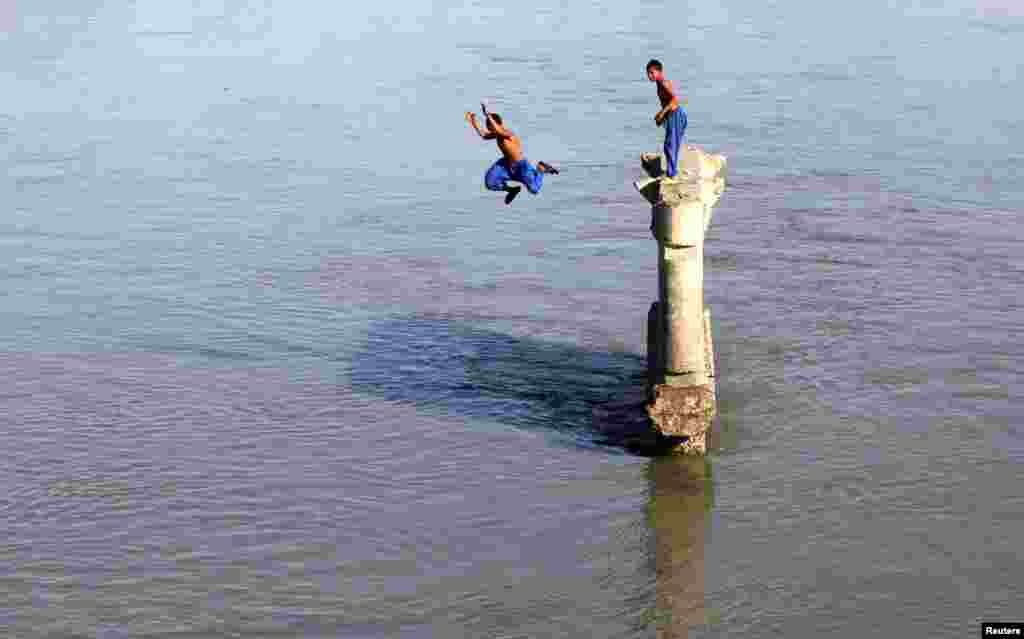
683 412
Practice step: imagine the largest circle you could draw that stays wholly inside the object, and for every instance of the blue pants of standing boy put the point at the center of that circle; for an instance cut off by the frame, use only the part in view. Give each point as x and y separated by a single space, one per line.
675 127
502 171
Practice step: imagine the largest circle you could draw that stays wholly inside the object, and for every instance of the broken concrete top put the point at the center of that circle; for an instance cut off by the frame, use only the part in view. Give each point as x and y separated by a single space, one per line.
700 178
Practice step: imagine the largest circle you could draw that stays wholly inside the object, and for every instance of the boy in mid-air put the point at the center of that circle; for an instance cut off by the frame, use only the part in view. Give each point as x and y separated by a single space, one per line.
511 166
671 115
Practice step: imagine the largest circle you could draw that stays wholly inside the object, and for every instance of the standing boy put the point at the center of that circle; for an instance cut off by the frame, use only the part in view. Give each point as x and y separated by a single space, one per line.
511 166
672 115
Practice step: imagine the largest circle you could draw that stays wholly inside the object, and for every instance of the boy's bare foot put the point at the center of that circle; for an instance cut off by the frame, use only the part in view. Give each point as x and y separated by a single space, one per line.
513 191
547 168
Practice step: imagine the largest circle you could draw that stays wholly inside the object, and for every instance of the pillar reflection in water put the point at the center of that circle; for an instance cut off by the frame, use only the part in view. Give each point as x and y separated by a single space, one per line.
678 509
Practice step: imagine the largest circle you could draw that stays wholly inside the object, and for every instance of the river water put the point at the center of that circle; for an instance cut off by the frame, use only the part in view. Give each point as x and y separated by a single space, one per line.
277 365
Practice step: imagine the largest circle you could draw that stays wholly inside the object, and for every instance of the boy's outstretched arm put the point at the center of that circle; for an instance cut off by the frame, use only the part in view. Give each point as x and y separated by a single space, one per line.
471 118
500 131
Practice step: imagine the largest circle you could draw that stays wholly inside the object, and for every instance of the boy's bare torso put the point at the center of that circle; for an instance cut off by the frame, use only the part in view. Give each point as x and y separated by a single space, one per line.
665 93
510 148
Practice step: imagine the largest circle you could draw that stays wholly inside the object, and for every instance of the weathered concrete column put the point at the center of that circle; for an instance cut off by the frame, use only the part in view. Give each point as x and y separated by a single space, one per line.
680 356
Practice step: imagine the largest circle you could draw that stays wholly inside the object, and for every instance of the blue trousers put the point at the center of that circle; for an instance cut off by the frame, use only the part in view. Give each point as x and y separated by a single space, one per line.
675 127
501 172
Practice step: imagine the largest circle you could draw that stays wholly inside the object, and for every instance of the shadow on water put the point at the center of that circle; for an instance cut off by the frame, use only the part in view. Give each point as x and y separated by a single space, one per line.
460 369
681 495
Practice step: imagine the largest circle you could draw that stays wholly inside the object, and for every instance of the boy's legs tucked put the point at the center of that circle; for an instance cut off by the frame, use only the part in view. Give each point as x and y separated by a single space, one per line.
497 176
675 127
525 172
497 180
532 177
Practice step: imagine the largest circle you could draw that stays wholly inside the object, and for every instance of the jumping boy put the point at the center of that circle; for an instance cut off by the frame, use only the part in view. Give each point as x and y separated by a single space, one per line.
672 115
511 166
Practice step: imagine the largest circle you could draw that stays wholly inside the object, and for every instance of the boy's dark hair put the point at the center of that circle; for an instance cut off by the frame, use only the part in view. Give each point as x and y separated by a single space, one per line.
497 118
654 63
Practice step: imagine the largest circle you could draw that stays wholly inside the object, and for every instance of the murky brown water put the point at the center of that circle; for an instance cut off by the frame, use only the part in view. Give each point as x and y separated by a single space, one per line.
276 365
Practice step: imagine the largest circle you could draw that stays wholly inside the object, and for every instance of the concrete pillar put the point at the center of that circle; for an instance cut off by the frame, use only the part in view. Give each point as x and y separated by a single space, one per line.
680 353
709 360
655 353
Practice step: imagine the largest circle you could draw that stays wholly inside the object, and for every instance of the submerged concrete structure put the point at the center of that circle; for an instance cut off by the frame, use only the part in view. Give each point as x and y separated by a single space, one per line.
680 354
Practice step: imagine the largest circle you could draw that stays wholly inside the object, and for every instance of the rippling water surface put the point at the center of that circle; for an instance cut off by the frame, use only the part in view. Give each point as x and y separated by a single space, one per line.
276 364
